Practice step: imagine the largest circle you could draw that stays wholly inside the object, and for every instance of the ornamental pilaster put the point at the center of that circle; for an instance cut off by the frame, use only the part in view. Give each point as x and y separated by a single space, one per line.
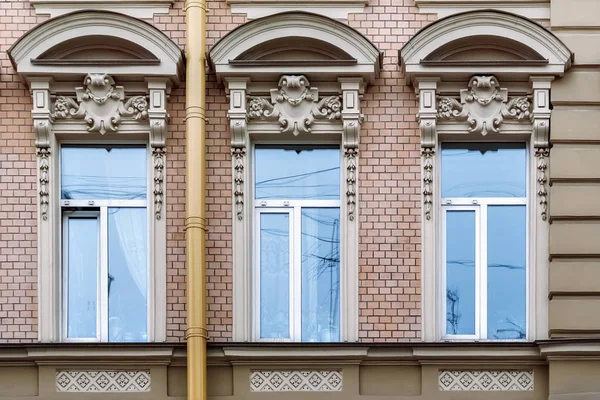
540 118
352 119
427 118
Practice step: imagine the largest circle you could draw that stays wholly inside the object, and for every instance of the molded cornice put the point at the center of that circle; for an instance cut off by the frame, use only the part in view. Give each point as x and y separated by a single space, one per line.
29 51
294 27
488 27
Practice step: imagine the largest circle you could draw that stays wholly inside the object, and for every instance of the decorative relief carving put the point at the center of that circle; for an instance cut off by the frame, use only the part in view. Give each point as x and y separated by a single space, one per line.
158 155
427 123
238 154
484 105
296 381
350 155
427 153
486 380
44 154
542 155
101 104
102 381
295 105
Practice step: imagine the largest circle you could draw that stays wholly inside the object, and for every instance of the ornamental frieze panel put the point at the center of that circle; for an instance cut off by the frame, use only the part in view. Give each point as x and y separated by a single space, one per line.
484 105
101 104
294 105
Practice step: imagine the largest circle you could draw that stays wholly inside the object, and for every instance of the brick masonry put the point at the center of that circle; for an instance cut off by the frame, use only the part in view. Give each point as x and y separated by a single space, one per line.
390 241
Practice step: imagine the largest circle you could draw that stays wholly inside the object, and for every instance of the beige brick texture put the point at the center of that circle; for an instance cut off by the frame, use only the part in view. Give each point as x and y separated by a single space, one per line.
390 243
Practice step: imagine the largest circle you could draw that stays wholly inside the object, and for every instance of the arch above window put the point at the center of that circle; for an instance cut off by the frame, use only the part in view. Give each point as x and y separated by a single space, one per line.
484 42
76 44
293 43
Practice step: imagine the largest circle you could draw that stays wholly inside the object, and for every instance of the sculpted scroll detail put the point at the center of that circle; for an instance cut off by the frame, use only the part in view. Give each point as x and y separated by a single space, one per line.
484 106
101 104
295 105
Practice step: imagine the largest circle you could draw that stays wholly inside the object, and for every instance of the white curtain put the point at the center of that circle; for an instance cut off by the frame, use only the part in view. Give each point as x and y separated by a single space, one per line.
131 224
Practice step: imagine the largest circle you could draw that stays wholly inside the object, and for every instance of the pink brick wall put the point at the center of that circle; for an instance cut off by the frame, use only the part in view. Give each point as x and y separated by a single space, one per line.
389 185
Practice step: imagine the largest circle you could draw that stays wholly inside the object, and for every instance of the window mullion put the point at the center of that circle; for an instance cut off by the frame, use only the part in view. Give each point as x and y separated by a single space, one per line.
483 267
103 270
65 278
296 255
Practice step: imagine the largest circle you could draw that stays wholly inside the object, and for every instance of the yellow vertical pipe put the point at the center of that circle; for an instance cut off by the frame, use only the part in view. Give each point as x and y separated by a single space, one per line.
195 223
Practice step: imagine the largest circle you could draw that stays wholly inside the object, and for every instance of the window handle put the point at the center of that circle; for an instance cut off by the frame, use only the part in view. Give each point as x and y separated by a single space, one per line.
91 203
263 203
286 203
448 201
475 202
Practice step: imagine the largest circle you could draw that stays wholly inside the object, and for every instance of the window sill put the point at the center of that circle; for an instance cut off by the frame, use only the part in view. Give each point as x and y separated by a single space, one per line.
337 9
142 9
534 9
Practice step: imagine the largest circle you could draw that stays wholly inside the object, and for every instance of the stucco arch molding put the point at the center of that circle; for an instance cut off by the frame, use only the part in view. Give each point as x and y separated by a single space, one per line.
536 50
345 51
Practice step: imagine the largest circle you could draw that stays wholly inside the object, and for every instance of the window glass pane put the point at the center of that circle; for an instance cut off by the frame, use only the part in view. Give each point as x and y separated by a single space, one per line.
320 274
483 170
127 275
507 257
297 173
274 276
103 173
82 277
460 272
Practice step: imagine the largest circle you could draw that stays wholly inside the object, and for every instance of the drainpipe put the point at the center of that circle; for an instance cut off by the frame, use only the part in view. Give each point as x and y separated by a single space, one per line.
195 222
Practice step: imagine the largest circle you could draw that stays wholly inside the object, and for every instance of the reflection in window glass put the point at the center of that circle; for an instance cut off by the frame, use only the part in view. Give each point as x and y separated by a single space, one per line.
460 272
506 272
297 173
82 279
483 170
127 275
274 276
103 173
320 274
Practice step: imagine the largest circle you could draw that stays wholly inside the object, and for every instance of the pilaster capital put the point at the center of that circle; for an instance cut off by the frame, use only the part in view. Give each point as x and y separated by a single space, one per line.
427 116
541 113
237 114
158 92
352 91
42 118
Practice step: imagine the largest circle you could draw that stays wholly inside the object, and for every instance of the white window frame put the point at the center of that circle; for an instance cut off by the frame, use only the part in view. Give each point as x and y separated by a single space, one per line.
480 206
293 207
103 205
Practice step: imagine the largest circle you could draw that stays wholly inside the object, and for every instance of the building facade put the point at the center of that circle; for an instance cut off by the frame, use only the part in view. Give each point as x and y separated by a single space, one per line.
365 199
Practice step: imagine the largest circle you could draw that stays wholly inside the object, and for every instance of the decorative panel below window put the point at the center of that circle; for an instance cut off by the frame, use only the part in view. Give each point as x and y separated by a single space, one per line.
486 380
296 381
103 381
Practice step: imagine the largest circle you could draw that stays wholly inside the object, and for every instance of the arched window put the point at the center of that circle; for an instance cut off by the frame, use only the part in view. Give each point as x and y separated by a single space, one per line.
483 79
294 81
100 82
